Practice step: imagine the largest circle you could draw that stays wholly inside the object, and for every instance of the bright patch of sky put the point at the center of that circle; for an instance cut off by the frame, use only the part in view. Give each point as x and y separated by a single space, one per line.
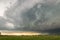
4 4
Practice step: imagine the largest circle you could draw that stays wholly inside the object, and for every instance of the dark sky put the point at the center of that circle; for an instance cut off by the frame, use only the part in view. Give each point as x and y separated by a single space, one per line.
30 15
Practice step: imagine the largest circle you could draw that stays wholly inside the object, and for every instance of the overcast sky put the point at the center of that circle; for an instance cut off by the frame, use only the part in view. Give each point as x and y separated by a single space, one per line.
33 15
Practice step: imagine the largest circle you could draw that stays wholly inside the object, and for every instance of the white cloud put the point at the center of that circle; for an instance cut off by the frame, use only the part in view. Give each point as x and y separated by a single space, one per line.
9 25
4 5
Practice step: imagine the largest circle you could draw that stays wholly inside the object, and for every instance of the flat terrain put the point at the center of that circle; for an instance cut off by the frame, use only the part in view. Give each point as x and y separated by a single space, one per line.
40 37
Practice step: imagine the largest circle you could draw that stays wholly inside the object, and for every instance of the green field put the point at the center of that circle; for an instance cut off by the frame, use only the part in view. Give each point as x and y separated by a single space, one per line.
46 37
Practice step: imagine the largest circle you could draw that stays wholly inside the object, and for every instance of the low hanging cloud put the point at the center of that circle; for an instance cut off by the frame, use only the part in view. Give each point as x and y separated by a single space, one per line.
33 15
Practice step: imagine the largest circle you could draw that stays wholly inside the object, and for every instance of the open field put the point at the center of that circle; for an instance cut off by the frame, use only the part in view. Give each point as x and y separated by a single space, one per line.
40 37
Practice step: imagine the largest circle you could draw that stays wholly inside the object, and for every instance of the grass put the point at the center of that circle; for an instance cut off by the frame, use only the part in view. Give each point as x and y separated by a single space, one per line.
40 37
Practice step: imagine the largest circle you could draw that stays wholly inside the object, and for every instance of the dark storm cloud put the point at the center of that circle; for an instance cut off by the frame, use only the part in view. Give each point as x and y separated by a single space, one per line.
38 16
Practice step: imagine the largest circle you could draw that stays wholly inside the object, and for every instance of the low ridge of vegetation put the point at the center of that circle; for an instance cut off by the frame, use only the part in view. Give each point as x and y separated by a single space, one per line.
39 37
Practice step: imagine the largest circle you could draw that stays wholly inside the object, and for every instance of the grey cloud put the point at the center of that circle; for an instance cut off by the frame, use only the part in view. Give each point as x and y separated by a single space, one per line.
40 19
2 24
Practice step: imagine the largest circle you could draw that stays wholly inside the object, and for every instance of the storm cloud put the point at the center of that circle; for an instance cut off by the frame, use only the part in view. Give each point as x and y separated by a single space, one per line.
33 15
